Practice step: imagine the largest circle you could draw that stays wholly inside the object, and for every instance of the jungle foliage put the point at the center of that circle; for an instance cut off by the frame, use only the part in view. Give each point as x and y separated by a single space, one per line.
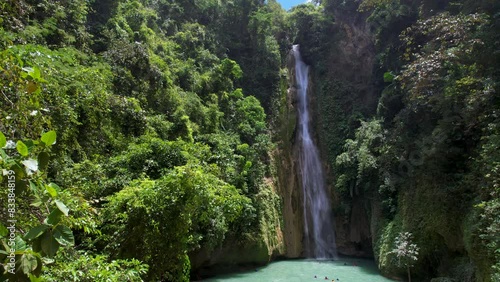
424 150
152 119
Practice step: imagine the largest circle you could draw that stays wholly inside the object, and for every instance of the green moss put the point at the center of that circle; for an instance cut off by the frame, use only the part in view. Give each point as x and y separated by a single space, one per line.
254 251
269 210
475 246
384 243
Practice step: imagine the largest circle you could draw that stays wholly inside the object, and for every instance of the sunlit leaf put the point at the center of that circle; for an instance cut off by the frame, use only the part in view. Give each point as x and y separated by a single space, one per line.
62 207
22 148
3 140
27 71
51 190
55 186
33 278
36 73
49 138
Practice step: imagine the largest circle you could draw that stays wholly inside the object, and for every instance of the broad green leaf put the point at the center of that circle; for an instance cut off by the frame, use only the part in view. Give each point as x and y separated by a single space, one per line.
33 278
52 191
3 140
20 245
64 235
3 155
3 230
28 263
36 203
49 244
49 138
55 186
35 232
54 217
43 161
27 71
62 207
22 148
36 73
36 245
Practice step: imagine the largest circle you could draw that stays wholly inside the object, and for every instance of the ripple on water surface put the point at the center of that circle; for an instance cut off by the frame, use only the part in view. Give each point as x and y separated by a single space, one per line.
342 270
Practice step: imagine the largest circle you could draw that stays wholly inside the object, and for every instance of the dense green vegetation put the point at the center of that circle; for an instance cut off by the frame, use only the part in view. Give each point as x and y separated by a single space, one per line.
158 146
423 148
139 133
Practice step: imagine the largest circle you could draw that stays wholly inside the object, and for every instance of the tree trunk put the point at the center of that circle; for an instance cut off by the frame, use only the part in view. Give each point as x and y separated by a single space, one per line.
409 276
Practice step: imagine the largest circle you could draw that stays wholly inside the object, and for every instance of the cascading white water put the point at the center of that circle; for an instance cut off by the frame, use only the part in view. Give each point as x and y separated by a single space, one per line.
318 217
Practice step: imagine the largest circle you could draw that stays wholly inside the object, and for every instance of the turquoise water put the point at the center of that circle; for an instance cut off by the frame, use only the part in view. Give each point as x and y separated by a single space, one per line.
355 270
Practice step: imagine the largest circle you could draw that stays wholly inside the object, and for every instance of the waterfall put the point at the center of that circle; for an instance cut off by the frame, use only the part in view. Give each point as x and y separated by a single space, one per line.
319 236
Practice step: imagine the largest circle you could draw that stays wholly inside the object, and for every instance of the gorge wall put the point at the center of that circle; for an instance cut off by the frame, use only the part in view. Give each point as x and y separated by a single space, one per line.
340 85
286 157
405 141
345 92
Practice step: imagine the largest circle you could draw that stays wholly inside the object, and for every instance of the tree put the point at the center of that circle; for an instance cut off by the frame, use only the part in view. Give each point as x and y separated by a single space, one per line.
31 238
189 206
406 251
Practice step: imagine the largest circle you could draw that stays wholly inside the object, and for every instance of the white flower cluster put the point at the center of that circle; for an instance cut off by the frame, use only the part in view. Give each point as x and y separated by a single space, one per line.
406 251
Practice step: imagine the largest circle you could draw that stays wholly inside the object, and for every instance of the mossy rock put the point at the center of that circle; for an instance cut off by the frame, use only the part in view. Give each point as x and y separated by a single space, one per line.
384 244
255 253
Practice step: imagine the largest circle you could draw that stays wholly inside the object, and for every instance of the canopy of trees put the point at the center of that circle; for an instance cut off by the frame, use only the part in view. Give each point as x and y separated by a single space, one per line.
145 115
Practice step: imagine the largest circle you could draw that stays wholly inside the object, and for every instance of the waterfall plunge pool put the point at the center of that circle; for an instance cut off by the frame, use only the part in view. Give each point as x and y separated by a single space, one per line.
341 270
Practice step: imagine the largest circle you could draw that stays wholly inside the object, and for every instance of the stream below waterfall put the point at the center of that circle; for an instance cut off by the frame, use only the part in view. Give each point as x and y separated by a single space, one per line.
342 270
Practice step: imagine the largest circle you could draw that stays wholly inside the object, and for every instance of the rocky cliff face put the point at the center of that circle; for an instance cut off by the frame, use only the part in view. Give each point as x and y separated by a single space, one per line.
286 163
344 92
345 87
